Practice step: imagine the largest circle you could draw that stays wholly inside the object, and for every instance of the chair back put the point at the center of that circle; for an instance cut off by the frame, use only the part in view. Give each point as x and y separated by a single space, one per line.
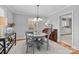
27 37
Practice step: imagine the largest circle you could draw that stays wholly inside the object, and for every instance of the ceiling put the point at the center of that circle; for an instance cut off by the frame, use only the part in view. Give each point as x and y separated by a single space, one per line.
31 10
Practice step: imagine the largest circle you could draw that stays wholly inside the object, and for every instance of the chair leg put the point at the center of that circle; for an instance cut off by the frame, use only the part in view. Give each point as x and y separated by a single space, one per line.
33 49
47 44
27 49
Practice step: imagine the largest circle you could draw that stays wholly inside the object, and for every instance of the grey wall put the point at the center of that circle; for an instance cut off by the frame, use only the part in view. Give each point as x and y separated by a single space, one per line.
7 13
54 19
2 13
41 24
76 27
21 24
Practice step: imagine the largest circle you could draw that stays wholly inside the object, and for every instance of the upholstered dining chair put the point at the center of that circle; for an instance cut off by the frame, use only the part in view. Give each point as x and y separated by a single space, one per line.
48 34
29 41
46 39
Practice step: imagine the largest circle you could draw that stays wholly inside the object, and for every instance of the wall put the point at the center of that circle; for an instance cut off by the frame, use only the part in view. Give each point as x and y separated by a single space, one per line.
41 24
21 24
54 19
2 12
7 13
76 27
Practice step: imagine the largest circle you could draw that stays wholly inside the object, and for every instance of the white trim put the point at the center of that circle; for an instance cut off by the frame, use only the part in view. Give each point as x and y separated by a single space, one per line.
58 29
58 11
20 38
72 29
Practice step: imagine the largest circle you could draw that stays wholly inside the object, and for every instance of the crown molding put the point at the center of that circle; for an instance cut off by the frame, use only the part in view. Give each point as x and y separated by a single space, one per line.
58 11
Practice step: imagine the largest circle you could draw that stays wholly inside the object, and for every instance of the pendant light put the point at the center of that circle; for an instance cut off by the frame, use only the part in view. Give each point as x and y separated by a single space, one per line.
37 15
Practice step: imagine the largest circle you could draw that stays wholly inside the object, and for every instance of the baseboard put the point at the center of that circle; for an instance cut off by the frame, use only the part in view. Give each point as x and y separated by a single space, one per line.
20 38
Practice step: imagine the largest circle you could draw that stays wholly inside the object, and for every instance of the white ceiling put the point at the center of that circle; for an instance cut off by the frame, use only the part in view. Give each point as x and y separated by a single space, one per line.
30 10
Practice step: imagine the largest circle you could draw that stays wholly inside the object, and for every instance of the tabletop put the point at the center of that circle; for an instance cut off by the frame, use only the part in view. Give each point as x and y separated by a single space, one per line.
2 37
37 35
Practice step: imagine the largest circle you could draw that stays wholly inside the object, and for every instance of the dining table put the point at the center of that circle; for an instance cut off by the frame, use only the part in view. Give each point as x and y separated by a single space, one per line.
38 38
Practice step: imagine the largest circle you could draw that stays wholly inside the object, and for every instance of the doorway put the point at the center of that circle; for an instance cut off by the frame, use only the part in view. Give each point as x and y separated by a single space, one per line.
65 30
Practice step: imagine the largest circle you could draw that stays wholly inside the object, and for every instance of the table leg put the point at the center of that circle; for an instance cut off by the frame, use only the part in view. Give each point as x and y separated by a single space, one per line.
15 38
33 45
4 46
47 43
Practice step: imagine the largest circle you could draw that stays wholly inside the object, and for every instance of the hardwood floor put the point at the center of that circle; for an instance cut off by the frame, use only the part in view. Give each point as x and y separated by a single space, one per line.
65 45
72 50
54 48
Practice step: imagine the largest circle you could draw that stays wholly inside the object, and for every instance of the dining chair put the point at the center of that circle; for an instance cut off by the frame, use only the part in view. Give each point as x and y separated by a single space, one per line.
48 34
29 41
46 38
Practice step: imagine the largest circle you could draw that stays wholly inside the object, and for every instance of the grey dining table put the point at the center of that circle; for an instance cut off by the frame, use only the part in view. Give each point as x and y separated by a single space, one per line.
37 36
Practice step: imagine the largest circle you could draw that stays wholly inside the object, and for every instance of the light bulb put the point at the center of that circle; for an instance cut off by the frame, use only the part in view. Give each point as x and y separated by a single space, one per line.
35 19
46 23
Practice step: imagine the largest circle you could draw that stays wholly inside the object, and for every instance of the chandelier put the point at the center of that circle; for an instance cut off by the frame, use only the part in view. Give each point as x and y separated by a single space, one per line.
37 15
